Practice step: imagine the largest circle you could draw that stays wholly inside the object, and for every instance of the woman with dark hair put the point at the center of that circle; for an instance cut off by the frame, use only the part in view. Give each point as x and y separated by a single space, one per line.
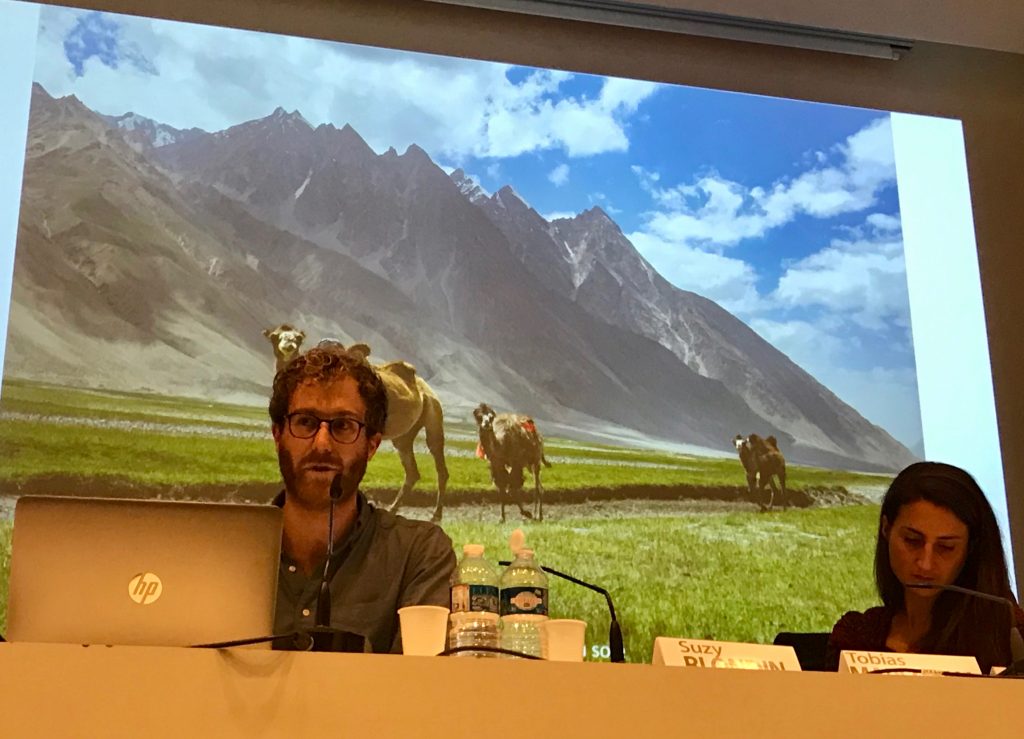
937 528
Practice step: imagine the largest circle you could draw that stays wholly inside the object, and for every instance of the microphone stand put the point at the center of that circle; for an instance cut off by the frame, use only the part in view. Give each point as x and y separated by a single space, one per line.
1016 667
324 638
615 645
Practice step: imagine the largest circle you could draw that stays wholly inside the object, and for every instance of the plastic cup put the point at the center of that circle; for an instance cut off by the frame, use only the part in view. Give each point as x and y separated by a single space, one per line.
424 629
565 638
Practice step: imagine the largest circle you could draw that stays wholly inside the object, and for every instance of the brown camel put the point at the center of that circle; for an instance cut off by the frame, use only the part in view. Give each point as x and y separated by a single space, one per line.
771 465
412 406
763 463
286 340
510 442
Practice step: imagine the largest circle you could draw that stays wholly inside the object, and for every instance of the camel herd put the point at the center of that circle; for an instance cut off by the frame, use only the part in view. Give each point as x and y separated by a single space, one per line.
509 442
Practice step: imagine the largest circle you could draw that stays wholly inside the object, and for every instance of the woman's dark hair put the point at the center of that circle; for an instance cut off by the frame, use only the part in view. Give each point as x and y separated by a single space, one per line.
961 624
324 364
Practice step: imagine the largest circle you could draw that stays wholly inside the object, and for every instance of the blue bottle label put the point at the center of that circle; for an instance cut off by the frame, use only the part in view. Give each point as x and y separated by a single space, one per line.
524 600
475 598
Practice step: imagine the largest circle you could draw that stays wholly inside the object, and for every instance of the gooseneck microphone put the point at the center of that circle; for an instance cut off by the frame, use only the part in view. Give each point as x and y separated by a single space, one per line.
615 646
1016 669
323 598
322 637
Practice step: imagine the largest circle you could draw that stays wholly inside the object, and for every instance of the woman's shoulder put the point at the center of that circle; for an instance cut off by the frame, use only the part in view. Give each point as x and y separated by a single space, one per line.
866 630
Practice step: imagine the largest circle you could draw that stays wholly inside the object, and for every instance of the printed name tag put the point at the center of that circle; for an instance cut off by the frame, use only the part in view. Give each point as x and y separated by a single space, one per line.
913 664
723 654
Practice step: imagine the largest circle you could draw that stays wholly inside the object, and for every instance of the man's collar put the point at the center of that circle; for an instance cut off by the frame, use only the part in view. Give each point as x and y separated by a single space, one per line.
364 510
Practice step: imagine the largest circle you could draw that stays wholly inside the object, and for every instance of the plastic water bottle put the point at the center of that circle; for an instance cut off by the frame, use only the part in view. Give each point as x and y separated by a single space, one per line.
474 612
524 605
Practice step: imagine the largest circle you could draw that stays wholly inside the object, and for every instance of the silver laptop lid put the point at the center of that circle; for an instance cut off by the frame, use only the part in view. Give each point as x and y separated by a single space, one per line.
105 571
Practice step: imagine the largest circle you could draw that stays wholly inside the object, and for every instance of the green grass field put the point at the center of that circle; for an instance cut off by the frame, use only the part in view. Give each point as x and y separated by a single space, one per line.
52 431
714 575
676 568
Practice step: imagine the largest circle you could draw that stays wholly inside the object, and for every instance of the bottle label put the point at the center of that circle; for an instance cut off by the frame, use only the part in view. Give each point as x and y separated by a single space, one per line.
474 598
524 600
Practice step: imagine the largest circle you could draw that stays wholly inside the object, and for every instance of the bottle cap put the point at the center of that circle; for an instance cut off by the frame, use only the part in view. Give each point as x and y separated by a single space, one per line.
473 550
516 541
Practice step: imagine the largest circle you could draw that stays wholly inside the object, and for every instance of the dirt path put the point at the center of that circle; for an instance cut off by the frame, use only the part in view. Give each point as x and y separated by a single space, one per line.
421 500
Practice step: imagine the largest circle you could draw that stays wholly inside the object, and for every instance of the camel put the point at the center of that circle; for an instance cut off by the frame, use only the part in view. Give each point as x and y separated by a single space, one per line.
763 464
412 406
510 442
286 340
746 453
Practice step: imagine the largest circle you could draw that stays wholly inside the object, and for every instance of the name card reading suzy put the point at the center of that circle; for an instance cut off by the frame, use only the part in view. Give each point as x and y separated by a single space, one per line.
723 654
906 664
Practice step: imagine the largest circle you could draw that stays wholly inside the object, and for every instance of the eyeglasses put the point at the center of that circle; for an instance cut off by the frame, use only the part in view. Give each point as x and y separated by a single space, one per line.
344 429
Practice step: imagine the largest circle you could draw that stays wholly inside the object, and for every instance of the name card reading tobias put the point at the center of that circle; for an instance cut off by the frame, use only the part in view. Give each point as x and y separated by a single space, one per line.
906 663
723 654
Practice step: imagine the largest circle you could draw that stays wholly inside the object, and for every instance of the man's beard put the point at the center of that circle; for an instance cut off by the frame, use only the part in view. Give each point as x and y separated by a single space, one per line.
313 492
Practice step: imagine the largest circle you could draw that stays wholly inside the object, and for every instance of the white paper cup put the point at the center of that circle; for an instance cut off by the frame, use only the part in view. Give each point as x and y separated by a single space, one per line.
565 638
424 629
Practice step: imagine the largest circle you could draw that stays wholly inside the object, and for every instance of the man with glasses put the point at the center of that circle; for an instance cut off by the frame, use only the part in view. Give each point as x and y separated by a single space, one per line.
327 411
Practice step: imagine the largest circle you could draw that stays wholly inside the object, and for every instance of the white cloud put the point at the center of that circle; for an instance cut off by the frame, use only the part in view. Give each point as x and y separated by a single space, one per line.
555 215
454 108
865 280
884 222
559 175
624 95
714 212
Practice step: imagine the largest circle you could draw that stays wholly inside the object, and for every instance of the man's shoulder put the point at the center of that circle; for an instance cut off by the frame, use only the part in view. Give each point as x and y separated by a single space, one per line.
392 524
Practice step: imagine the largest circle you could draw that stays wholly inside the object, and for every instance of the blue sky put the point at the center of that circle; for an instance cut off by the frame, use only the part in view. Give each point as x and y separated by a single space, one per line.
784 212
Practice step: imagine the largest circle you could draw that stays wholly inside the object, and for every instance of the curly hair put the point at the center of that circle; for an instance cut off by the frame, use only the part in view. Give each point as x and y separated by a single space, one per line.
324 364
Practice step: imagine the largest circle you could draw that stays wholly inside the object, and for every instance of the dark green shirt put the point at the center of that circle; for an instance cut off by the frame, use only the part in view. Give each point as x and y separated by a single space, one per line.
384 563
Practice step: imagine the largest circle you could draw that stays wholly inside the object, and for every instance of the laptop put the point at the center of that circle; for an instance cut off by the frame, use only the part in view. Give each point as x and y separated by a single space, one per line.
108 571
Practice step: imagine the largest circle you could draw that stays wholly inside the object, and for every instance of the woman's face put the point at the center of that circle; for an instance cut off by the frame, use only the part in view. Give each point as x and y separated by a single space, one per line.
927 544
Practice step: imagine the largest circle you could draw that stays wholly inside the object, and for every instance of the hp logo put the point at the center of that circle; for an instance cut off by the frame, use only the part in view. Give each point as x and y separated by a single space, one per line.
145 588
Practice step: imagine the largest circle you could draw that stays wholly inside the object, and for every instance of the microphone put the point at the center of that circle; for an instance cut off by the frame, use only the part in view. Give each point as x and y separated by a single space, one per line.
1016 669
615 645
323 598
323 638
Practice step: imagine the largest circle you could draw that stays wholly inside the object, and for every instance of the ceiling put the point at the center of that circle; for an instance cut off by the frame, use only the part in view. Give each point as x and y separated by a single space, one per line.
996 25
985 24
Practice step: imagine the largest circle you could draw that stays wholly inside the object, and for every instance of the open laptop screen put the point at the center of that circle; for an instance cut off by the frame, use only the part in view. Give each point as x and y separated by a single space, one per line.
105 571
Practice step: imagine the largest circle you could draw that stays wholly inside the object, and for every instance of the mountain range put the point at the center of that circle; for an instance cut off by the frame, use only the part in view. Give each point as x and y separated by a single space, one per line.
151 258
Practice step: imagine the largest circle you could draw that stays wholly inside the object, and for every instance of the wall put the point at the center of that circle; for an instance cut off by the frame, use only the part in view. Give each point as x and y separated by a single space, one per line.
983 88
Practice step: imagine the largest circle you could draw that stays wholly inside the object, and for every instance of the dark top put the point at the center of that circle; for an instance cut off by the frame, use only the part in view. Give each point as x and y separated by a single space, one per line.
868 632
856 631
384 563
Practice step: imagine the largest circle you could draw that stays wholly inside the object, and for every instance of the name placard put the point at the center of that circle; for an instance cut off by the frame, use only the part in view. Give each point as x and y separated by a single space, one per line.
723 654
905 663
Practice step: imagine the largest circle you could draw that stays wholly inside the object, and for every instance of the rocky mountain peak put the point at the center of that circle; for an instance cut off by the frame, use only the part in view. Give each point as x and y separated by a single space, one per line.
595 216
509 198
282 116
415 155
469 187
